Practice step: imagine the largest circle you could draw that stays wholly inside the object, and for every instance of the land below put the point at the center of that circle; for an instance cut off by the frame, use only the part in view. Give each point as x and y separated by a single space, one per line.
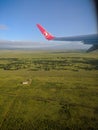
47 90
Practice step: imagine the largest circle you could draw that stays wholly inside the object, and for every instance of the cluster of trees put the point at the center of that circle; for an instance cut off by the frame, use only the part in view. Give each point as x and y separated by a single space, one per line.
71 63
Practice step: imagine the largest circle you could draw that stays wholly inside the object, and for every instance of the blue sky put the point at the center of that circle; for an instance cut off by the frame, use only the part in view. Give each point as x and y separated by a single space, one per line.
18 18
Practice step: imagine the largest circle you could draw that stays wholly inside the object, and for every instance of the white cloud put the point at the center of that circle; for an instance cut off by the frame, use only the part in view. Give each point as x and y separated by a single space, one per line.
44 45
3 27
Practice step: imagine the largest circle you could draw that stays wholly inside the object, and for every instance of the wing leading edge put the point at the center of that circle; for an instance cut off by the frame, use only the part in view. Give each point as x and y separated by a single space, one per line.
86 39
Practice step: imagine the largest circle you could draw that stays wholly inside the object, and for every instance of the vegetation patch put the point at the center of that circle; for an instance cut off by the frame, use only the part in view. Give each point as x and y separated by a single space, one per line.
48 91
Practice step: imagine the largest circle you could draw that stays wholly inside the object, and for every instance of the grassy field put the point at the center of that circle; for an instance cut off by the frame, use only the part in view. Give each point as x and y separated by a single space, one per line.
61 91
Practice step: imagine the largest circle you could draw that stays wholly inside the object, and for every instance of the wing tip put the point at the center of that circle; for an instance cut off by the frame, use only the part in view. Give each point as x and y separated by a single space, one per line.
46 34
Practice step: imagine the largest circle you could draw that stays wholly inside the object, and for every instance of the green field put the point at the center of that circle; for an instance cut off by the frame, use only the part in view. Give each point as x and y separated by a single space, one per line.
61 91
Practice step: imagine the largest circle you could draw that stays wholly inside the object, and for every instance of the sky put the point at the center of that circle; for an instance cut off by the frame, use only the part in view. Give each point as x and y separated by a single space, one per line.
18 18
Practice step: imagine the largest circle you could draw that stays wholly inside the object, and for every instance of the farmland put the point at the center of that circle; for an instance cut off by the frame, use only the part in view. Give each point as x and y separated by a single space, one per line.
61 94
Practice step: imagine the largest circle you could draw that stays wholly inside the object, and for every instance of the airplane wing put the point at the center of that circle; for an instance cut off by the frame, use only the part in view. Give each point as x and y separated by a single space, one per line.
86 39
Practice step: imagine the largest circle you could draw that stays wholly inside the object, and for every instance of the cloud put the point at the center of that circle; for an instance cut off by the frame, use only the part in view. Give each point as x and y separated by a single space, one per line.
3 27
13 44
